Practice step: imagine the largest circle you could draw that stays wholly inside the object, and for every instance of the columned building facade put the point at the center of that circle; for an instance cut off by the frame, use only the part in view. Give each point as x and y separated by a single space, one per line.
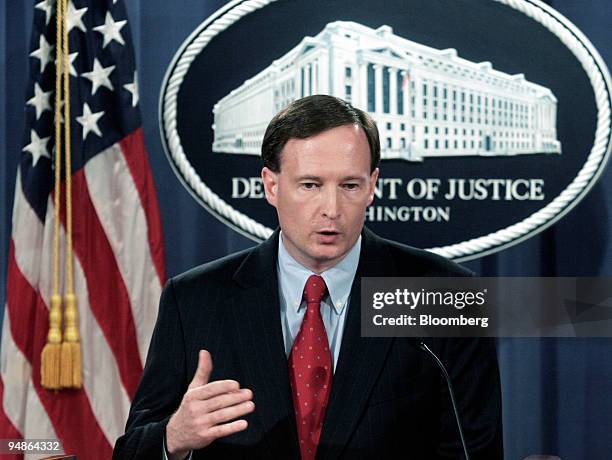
426 102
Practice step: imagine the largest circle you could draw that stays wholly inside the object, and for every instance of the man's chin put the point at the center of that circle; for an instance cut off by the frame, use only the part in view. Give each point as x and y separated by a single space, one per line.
328 253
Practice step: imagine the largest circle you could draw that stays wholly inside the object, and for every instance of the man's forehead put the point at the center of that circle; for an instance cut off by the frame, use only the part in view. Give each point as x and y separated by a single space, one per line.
348 131
346 144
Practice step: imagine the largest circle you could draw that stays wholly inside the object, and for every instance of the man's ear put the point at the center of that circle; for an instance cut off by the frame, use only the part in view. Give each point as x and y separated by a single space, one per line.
372 185
270 183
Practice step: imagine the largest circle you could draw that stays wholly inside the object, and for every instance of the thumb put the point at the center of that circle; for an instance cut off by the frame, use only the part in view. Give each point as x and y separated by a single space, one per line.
203 371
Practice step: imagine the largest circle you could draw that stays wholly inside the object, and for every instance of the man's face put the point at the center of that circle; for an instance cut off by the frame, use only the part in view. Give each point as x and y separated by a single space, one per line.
321 193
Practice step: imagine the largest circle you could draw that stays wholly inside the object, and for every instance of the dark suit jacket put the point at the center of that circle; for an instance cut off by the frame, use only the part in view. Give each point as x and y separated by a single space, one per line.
388 398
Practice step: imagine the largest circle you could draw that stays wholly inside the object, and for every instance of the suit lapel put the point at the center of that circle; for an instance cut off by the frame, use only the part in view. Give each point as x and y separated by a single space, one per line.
256 310
361 359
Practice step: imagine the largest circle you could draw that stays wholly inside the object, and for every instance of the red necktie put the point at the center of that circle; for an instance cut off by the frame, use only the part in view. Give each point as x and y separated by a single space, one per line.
311 370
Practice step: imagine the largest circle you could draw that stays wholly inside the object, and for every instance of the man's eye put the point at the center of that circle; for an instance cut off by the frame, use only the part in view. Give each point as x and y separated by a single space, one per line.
351 186
309 185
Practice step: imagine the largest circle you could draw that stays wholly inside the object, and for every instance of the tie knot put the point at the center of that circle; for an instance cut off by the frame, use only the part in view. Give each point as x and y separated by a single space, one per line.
315 289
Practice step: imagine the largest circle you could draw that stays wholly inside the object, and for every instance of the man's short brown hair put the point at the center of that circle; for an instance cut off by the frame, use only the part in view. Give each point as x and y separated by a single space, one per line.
310 116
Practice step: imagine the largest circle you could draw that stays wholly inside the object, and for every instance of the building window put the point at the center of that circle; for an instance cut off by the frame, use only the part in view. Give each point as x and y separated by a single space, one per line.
403 126
389 142
403 143
385 82
348 72
388 126
371 88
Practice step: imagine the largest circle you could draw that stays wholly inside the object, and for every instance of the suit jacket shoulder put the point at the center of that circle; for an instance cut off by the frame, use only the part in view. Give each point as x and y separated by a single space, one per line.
403 260
219 270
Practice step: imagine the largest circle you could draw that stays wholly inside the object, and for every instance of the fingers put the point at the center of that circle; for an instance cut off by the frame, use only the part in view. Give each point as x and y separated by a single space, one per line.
228 399
212 389
230 413
209 410
203 371
219 431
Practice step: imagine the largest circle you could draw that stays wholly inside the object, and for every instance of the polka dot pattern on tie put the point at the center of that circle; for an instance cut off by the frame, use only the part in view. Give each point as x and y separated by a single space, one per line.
310 370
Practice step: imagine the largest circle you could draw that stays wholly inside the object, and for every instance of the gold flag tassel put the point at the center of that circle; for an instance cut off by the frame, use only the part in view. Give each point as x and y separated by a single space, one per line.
51 354
71 373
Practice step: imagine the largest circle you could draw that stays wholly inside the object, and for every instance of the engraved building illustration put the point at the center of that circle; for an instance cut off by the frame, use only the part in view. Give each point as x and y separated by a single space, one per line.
426 102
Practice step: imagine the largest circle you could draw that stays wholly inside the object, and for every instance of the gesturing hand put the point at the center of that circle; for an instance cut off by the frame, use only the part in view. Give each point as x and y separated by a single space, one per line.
206 410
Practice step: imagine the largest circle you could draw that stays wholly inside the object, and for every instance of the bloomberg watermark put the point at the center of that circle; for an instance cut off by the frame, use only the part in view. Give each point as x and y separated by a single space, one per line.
486 307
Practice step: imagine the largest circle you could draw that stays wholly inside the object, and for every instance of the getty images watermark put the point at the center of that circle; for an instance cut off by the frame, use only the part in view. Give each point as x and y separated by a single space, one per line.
486 307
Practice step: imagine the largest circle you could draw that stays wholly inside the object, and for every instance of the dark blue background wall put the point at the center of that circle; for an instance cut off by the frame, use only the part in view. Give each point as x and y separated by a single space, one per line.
557 392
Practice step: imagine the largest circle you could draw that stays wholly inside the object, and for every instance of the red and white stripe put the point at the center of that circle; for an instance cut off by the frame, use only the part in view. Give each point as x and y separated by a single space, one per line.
118 274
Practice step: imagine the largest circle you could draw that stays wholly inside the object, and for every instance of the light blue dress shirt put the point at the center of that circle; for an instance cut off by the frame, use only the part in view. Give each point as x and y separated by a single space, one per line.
292 278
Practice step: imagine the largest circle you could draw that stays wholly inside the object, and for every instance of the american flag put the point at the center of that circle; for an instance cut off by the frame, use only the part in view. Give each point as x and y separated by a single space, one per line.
118 249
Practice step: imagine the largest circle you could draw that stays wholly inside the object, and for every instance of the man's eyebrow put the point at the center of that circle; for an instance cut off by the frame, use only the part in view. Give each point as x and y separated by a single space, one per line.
308 177
318 178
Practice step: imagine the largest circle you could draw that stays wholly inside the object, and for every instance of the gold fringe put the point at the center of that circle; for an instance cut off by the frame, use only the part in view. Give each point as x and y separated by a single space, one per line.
71 365
66 367
50 366
51 354
71 369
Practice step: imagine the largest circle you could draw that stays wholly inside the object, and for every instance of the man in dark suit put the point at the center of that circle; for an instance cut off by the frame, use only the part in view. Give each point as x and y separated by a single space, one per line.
292 377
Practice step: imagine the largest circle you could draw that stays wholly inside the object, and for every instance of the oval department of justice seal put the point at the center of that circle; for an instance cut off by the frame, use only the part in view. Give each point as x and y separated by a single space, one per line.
494 116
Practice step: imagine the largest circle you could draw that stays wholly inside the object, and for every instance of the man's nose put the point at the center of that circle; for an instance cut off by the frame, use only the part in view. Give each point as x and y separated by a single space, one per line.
330 205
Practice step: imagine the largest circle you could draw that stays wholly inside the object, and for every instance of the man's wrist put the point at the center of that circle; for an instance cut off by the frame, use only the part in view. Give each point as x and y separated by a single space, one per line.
176 455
